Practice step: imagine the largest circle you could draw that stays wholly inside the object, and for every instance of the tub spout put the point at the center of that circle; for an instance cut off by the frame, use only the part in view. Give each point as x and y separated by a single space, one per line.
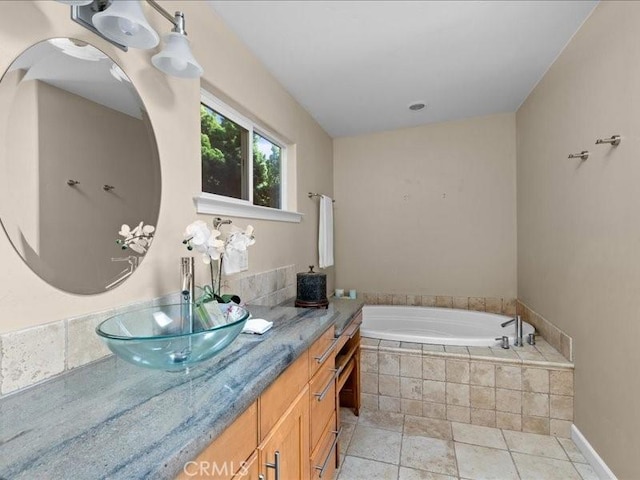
518 323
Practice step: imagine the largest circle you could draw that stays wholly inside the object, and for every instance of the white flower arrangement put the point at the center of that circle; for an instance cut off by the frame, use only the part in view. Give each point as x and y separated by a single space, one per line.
199 236
138 239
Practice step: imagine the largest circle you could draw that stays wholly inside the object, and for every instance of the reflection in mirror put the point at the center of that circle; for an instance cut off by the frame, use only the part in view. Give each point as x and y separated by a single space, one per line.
78 161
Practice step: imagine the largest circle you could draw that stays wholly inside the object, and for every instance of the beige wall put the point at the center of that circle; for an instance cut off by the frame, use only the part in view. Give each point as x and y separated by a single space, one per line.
579 222
21 127
80 149
173 106
428 210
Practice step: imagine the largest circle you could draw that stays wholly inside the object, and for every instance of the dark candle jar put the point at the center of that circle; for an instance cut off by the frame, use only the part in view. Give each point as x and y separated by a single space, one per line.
311 289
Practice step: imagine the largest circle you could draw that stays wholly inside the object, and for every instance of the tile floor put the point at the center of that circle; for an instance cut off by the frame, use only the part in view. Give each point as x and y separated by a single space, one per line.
391 446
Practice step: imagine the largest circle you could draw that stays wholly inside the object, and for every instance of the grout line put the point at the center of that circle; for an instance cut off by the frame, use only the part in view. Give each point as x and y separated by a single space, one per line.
513 460
566 452
561 447
373 460
404 420
576 469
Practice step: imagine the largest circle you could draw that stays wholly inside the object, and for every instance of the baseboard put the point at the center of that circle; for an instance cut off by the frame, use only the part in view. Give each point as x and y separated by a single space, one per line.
601 469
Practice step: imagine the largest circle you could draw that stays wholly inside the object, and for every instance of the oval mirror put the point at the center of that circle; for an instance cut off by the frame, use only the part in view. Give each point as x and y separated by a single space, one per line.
79 168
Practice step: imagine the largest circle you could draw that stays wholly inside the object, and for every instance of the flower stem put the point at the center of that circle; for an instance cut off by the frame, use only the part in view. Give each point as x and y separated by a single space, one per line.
219 274
213 284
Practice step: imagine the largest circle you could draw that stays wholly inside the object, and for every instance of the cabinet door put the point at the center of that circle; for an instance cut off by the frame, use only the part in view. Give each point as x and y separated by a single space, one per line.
227 453
249 469
276 399
284 454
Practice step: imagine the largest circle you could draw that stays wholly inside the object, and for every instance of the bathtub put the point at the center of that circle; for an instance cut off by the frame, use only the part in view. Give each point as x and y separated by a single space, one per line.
442 326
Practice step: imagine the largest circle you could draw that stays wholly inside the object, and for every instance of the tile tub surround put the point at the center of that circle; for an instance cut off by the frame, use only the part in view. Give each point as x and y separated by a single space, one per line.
33 355
552 334
527 389
111 419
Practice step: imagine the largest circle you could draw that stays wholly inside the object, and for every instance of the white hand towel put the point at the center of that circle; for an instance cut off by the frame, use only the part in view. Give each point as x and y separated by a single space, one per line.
325 232
235 261
257 326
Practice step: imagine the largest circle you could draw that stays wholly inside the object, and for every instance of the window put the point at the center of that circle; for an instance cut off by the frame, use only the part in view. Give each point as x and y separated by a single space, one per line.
240 160
223 147
267 184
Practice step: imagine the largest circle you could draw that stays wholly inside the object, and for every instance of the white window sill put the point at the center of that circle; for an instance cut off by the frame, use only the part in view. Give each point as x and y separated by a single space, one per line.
209 204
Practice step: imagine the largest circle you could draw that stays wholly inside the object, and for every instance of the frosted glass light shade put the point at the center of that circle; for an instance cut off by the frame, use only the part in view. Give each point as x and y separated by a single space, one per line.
176 58
76 3
124 22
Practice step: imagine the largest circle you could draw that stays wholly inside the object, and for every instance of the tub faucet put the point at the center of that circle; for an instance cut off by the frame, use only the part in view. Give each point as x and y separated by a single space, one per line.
518 323
188 293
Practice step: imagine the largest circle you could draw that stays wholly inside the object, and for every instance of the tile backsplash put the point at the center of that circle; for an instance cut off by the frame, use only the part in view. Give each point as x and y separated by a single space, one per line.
505 306
552 334
35 354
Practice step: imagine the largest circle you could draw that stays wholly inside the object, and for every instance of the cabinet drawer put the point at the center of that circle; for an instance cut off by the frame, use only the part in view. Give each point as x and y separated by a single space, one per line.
321 350
323 399
323 459
353 325
275 400
350 330
227 453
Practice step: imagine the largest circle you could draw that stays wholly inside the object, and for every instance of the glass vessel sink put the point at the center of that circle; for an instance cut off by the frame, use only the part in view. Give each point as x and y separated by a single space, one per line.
173 337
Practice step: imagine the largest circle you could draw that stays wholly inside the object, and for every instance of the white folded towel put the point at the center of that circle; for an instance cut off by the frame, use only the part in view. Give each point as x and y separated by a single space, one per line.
325 232
235 261
257 325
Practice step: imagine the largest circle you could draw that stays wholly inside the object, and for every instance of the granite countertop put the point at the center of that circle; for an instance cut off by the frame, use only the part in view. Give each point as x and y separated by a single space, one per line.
111 419
342 310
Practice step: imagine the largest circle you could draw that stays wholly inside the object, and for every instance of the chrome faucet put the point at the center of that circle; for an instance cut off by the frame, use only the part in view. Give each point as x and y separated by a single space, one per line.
188 293
518 323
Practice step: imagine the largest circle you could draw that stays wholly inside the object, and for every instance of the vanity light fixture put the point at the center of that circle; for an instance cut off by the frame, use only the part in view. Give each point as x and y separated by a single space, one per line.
78 3
122 22
176 58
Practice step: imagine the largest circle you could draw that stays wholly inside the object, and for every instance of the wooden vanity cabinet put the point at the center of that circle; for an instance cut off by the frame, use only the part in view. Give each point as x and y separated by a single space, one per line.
323 407
289 433
323 458
348 365
250 469
227 454
284 452
280 395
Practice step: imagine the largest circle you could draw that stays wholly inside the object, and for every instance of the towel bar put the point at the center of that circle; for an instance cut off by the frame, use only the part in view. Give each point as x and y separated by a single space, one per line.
311 195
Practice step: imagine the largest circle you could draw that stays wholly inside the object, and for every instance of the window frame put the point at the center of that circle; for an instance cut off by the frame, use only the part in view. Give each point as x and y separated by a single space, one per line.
215 204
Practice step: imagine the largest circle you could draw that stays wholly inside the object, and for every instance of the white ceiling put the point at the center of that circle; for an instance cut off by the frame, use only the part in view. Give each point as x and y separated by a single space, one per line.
88 75
357 65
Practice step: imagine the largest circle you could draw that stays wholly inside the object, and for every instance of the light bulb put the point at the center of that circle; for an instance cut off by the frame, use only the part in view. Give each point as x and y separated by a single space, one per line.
179 63
128 27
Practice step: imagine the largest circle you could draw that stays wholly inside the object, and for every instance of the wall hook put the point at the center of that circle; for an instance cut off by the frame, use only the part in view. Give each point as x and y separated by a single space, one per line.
73 183
582 155
108 188
614 140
